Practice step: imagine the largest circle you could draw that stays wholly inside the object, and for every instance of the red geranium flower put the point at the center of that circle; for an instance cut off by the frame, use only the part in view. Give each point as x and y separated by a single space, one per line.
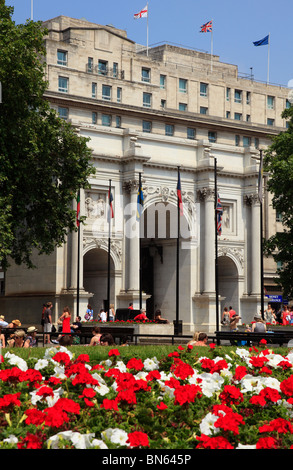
62 358
9 401
266 443
138 439
207 442
110 404
231 395
113 352
31 441
240 372
134 363
162 406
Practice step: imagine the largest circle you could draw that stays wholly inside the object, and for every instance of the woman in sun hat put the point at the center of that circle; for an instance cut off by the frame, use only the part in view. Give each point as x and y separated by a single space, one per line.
14 324
31 340
17 341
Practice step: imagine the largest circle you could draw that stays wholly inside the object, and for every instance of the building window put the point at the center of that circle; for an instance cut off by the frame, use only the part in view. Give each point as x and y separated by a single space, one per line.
212 136
94 90
90 64
106 92
115 70
256 142
228 114
288 104
204 89
63 112
238 96
102 67
182 85
270 102
169 129
63 84
118 121
238 116
146 126
248 97
163 104
278 216
228 93
279 264
270 122
106 120
237 140
203 110
145 75
163 82
182 107
119 95
247 117
246 141
62 58
147 100
94 118
190 133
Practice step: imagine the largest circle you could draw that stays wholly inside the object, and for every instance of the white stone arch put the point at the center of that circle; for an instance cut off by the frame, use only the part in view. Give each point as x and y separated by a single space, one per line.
102 243
236 255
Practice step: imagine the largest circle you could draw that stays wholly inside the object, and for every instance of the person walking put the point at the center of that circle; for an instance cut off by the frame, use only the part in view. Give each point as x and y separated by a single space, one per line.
48 323
111 313
65 319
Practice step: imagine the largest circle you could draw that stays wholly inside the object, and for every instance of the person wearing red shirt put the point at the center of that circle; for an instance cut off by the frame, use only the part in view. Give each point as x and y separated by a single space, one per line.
141 316
231 312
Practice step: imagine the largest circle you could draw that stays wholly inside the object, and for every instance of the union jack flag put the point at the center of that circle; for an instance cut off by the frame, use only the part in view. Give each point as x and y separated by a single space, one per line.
111 210
207 27
219 211
179 194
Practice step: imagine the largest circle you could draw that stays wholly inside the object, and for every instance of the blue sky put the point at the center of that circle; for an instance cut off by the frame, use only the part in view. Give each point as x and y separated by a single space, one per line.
235 26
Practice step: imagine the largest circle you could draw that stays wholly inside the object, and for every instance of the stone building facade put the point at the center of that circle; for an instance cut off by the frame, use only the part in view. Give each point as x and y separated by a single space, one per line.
150 113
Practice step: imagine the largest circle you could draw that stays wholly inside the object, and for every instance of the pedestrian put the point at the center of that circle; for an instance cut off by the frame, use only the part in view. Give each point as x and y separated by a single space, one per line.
3 323
270 316
231 312
285 315
159 318
48 323
233 322
107 340
43 316
259 325
225 316
89 314
96 336
65 319
2 338
31 338
103 315
111 313
141 316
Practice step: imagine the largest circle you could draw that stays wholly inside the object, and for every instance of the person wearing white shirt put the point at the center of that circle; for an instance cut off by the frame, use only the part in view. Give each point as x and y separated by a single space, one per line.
103 315
3 323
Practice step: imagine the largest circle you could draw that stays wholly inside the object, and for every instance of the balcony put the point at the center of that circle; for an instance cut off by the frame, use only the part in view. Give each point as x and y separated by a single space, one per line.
105 72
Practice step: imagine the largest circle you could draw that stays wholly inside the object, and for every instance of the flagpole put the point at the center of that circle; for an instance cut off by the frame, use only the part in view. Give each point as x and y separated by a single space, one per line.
261 241
147 28
268 73
140 248
177 261
78 259
216 248
109 250
32 10
212 46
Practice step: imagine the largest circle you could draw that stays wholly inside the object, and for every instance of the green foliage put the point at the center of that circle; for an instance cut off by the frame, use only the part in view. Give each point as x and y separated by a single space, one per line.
43 162
278 163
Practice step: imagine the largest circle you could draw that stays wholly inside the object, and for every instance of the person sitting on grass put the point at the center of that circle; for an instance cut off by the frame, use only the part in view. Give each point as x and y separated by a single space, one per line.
107 340
202 340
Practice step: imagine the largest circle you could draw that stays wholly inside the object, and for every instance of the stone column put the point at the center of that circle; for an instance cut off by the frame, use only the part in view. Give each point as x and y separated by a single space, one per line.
207 195
255 246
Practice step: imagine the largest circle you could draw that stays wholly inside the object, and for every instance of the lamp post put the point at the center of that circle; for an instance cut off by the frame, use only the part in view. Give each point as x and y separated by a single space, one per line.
216 247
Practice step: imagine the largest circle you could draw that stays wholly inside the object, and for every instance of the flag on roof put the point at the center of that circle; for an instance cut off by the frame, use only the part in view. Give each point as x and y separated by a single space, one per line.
142 14
219 210
262 42
207 27
179 194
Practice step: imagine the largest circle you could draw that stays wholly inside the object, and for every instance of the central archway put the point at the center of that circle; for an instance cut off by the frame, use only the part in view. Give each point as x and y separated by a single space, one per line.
228 283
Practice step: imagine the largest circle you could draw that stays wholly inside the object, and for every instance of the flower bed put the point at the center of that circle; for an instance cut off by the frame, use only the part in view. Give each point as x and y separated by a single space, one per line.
193 398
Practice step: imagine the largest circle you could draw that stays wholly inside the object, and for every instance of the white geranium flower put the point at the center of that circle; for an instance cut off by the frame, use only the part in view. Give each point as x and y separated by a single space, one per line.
151 364
207 426
12 439
79 441
59 372
246 446
121 366
116 436
102 389
41 364
249 383
274 360
49 400
244 353
16 361
211 383
270 382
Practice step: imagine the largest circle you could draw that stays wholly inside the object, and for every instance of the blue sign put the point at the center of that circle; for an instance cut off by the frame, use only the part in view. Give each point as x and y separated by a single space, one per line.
275 298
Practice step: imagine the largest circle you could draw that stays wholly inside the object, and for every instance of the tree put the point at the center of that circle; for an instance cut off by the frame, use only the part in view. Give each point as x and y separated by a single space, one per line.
278 162
43 162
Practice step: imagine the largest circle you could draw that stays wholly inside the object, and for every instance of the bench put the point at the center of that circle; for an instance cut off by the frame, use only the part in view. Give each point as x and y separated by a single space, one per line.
274 337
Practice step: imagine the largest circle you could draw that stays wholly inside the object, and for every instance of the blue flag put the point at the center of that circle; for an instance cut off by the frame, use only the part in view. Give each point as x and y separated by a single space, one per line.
140 202
262 42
